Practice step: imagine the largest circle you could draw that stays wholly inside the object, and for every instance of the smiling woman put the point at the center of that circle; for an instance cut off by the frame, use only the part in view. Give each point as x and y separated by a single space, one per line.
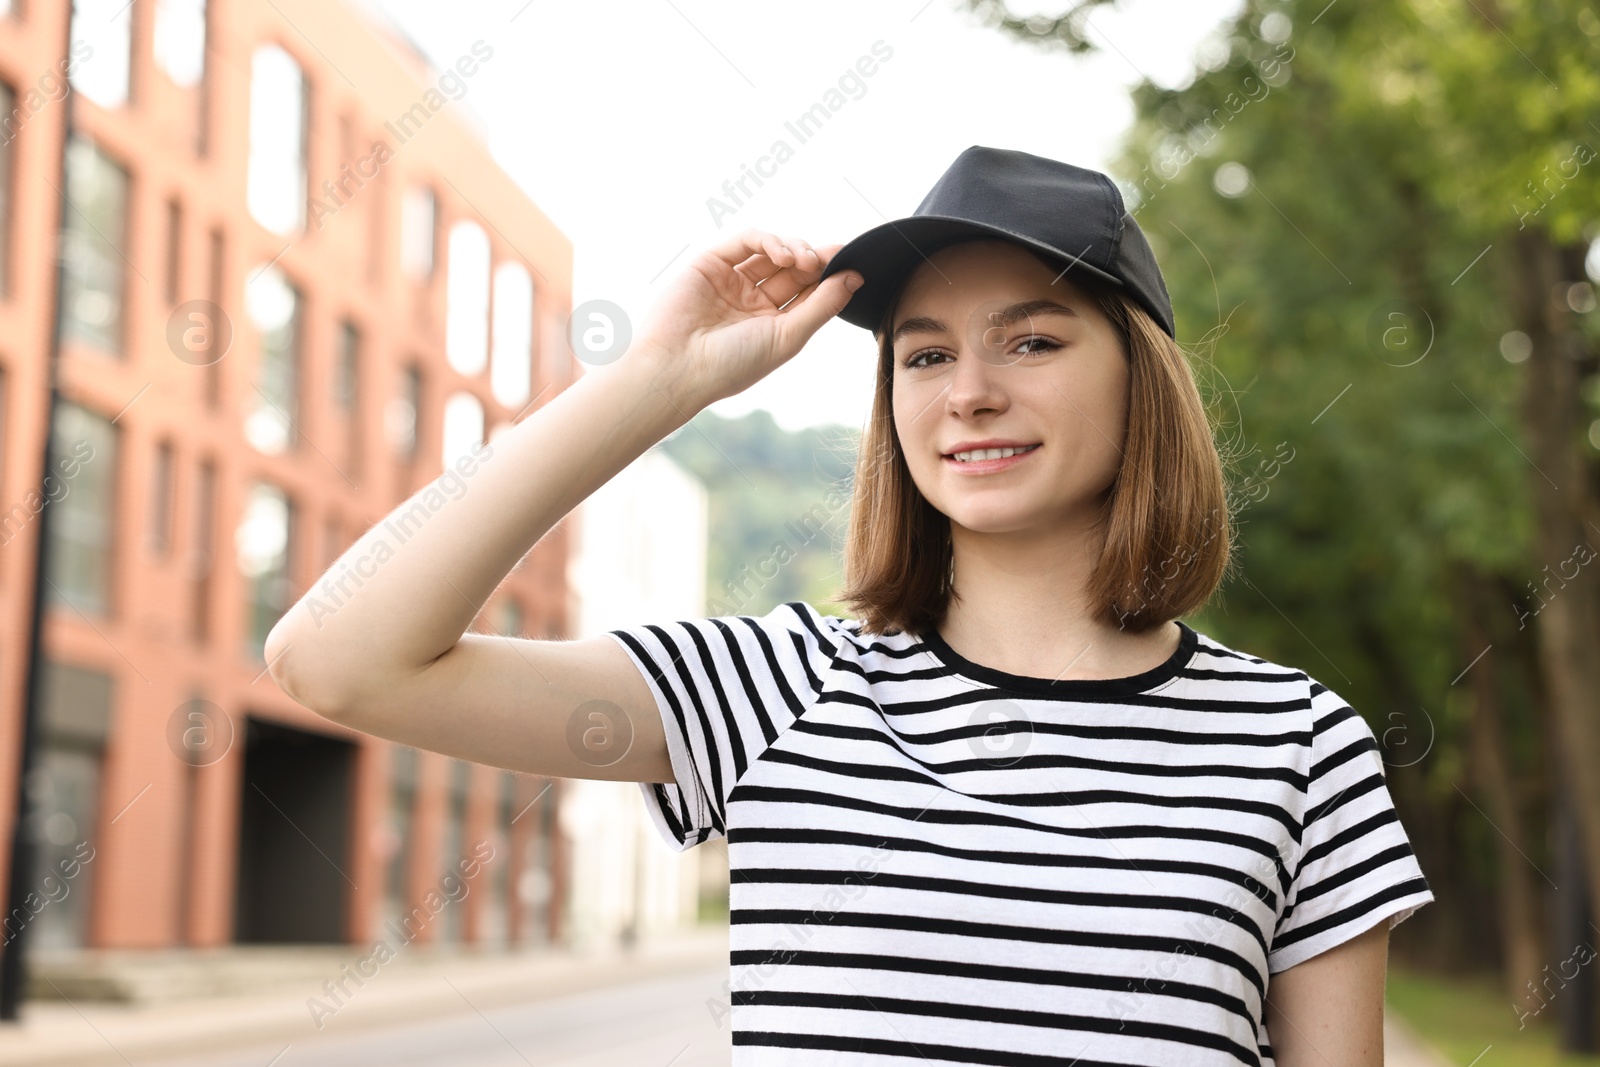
1016 810
993 327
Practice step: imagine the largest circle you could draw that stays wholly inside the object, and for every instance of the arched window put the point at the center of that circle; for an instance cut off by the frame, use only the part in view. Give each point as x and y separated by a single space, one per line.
512 371
274 307
463 427
105 27
263 543
180 40
418 212
466 329
94 239
276 177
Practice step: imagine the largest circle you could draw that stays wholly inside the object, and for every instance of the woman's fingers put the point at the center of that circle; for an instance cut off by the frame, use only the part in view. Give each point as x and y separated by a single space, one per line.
780 283
746 244
815 305
786 272
801 257
758 268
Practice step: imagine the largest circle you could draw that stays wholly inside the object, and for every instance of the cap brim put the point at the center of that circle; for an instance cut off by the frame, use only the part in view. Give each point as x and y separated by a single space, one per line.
885 255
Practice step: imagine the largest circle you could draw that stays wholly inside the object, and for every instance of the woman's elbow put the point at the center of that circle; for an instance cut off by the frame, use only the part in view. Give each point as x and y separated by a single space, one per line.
289 668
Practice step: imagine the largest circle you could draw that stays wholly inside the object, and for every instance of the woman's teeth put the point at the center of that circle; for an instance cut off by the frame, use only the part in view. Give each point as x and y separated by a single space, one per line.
990 453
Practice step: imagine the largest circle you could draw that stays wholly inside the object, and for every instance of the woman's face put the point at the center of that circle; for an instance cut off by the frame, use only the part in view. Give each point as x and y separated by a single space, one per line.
989 351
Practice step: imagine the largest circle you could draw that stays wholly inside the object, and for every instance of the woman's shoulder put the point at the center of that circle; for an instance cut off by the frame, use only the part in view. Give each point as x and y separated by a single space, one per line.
1216 655
1214 659
843 637
795 619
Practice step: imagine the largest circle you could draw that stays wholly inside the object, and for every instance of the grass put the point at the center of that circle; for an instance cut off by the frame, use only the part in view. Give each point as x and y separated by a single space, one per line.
712 909
1461 1017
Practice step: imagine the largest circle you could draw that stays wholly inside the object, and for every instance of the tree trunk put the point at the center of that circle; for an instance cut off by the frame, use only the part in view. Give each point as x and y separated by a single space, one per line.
1568 621
1488 756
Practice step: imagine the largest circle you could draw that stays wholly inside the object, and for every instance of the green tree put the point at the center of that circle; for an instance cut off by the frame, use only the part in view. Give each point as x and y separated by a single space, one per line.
779 506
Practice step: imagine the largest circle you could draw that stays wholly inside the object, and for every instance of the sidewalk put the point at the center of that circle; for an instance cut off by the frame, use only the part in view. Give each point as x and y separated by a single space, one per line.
89 1034
1402 1047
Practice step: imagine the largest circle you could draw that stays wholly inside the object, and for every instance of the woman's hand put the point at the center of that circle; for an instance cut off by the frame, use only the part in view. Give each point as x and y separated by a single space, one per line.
741 309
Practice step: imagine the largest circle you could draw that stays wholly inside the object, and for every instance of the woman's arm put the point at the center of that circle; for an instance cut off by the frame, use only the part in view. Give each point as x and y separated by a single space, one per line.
361 652
1328 1010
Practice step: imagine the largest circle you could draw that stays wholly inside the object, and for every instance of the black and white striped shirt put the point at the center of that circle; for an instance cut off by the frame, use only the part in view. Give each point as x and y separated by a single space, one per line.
930 859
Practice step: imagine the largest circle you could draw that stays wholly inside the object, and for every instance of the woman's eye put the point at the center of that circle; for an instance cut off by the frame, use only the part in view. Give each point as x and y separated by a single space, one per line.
1028 346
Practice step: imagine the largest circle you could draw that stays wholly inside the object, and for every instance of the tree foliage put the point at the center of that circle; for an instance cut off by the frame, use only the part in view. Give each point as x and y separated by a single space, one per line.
778 504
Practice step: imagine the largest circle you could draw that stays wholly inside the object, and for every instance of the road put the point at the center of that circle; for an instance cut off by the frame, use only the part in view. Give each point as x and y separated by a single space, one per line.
650 1023
656 1022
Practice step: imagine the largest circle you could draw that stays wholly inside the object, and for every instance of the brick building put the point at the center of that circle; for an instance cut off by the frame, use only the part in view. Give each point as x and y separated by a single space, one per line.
293 286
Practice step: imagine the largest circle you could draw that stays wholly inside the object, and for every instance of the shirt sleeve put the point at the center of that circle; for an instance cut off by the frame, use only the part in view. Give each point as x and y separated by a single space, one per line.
725 688
1356 866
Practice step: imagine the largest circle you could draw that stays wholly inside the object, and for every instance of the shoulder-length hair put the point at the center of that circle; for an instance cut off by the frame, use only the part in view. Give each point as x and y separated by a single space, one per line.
1168 531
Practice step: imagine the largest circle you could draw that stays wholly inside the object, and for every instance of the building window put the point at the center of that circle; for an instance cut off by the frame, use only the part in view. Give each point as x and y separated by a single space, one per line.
197 739
535 886
265 552
8 115
161 476
216 286
346 394
93 243
463 427
466 328
276 181
404 414
512 369
274 307
455 843
508 617
204 548
497 916
180 40
174 264
81 530
332 541
346 369
64 798
402 811
103 26
418 226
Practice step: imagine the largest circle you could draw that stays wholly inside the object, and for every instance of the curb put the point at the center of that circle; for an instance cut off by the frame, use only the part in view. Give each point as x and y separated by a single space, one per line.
67 1034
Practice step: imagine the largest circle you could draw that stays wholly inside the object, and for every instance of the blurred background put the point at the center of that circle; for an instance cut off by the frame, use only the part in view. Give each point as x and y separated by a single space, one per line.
267 269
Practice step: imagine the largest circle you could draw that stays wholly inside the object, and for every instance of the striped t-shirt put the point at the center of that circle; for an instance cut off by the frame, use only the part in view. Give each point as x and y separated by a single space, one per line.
934 860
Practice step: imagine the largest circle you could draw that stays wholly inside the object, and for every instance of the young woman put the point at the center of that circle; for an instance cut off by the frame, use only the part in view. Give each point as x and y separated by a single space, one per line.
1013 811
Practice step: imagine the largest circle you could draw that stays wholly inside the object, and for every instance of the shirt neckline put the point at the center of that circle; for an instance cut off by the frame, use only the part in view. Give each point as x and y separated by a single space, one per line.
1155 677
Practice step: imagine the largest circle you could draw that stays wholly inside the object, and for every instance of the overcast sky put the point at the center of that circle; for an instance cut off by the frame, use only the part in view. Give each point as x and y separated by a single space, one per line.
621 122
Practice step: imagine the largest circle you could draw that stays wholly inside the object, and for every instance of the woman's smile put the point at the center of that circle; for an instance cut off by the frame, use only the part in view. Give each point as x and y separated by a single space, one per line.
985 458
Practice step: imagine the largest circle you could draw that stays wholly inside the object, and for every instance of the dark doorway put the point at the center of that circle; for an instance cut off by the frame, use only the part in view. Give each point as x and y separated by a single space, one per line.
294 834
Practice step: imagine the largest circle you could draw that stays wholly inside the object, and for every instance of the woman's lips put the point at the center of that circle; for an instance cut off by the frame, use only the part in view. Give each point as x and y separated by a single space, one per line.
988 466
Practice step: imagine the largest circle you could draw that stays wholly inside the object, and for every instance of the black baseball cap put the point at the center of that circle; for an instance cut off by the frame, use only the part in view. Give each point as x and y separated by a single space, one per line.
1071 215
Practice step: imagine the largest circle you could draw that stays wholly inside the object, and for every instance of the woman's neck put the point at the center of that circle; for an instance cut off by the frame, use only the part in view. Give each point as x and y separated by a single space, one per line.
1023 609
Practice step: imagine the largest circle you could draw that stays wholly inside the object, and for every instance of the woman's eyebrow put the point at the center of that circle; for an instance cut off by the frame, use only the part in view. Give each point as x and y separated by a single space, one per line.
1002 318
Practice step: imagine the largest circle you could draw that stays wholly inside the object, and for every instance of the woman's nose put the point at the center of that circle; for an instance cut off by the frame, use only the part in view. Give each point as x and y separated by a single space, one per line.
977 380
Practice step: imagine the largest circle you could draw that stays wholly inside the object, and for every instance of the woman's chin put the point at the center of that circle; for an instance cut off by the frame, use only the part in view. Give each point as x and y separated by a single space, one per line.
995 517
